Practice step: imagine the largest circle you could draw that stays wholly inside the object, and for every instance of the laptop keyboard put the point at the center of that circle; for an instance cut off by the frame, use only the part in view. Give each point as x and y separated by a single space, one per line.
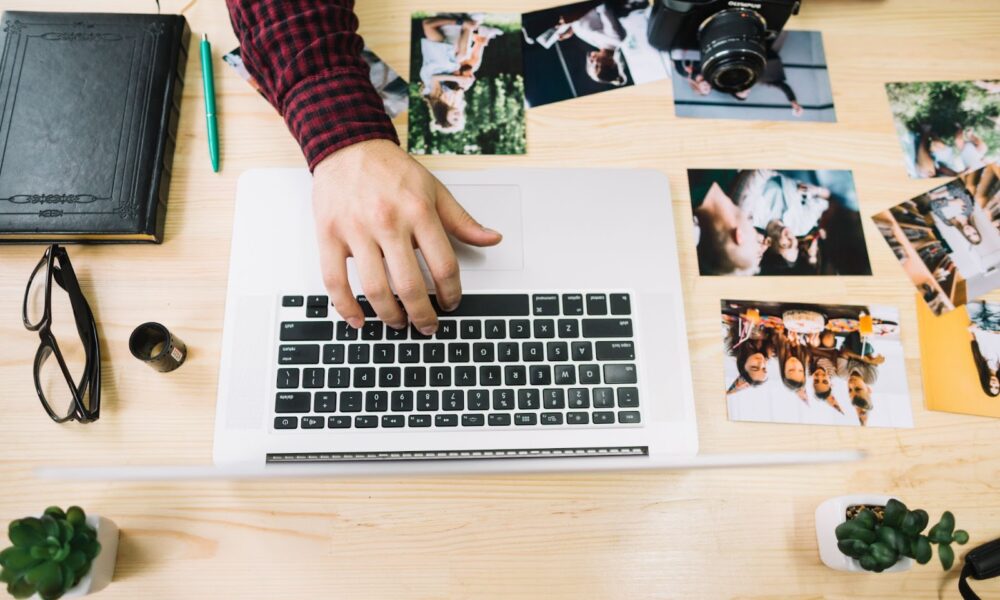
500 361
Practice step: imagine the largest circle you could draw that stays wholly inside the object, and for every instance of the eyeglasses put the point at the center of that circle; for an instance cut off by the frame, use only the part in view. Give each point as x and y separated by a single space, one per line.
63 397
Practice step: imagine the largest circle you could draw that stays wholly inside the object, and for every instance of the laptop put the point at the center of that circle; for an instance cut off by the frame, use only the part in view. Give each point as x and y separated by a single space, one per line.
568 352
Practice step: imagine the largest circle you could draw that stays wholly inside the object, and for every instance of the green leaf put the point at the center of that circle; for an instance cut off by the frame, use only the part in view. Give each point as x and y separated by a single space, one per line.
884 555
868 563
894 513
17 559
7 576
65 531
76 560
947 523
849 530
76 516
51 527
889 537
914 522
49 580
92 549
853 548
922 550
55 512
21 589
26 532
947 556
45 570
961 536
865 518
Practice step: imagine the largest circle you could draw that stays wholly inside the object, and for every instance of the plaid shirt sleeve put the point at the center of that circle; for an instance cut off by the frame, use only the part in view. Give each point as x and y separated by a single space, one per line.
306 57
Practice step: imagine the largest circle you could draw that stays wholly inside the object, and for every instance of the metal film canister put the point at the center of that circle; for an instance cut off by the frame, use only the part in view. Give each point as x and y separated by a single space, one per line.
154 345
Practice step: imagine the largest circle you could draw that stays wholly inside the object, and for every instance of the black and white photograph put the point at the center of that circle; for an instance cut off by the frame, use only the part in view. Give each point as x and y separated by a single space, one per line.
766 222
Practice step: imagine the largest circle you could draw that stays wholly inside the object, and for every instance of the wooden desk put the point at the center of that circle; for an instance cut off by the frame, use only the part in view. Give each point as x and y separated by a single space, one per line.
706 534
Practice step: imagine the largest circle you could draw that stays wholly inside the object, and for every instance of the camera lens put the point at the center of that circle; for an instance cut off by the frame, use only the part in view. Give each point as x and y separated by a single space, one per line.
733 51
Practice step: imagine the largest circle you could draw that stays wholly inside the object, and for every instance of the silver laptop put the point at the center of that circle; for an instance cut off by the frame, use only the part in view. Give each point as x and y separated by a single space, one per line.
569 350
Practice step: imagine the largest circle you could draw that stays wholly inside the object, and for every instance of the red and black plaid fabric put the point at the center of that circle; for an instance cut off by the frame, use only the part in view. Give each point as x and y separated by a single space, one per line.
306 57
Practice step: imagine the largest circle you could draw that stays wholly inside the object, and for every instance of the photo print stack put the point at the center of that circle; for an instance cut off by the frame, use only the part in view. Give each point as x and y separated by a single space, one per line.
814 364
766 222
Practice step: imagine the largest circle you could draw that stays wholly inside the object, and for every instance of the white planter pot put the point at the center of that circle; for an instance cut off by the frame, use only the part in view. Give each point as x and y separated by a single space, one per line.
103 568
832 513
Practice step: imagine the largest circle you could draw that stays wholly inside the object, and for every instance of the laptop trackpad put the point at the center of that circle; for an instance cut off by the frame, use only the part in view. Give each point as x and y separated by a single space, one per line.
497 207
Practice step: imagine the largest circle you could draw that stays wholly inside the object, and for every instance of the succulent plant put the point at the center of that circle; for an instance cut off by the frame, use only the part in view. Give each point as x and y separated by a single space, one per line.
879 544
49 554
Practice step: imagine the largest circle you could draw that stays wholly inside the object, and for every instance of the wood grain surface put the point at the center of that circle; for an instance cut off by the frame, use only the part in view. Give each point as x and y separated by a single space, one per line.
706 534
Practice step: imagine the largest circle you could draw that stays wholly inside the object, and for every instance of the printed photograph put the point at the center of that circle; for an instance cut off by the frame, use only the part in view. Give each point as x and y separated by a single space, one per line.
765 222
814 364
587 48
467 84
389 85
948 239
795 85
946 127
960 353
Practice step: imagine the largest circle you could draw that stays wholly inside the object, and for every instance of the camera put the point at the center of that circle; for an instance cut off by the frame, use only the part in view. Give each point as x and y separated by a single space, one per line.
733 36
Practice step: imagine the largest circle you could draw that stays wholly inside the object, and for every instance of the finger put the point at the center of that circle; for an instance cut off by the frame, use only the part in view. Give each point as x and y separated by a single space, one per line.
408 281
371 269
333 264
441 260
459 223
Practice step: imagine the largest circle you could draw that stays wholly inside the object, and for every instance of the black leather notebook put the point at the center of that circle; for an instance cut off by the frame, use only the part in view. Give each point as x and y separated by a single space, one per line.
89 105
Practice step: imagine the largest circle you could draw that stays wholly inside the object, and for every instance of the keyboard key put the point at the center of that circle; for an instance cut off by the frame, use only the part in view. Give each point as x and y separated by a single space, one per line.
540 375
508 352
628 416
440 376
533 351
313 378
577 418
395 334
568 328
488 305
621 304
427 401
479 399
551 418
389 377
345 333
545 328
604 397
471 330
483 352
292 301
619 374
582 351
520 329
433 353
312 422
557 351
306 331
333 354
338 422
364 377
317 312
350 402
291 402
607 328
298 354
554 399
496 329
359 354
503 399
572 304
498 419
615 351
515 375
590 374
526 419
528 400
325 402
597 304
579 398
409 353
338 377
366 421
545 305
465 376
446 420
288 379
416 335
393 421
489 375
473 420
565 375
414 377
372 330
384 354
286 422
628 397
376 401
603 417
447 330
458 353
402 401
419 421
317 301
452 400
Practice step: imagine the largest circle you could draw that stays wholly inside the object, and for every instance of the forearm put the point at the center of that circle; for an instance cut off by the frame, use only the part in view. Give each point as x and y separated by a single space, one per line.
306 57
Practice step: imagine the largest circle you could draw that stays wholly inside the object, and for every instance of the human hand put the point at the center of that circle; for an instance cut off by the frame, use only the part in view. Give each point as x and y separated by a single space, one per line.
797 109
374 202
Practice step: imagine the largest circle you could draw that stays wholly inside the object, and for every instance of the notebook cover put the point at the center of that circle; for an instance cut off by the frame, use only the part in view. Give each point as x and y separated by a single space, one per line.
89 105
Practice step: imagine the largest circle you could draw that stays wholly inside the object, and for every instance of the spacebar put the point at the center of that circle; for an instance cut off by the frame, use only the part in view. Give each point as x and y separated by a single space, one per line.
475 305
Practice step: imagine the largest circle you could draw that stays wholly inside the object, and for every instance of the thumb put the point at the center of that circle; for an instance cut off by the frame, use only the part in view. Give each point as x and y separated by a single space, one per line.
459 223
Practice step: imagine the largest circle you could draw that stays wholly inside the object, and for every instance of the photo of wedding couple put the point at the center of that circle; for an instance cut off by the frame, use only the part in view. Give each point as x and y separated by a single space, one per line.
466 84
814 364
767 222
948 239
946 127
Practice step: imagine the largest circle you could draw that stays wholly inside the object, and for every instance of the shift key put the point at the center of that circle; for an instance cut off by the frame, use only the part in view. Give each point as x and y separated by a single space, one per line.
306 331
607 328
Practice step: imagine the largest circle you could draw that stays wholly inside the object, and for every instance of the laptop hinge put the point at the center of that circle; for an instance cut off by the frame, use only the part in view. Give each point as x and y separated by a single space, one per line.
393 455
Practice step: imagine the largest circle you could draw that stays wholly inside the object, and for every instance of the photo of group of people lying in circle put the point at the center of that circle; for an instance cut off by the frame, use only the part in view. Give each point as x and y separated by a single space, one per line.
815 364
766 222
948 239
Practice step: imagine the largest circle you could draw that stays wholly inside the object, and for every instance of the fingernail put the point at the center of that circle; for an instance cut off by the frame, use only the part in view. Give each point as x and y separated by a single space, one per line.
429 330
356 322
492 231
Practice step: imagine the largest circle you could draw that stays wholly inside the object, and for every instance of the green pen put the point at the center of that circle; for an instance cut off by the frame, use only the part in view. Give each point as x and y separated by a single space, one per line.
213 124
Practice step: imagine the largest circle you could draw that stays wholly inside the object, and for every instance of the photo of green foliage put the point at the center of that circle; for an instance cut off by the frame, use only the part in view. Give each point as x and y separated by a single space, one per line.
494 104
